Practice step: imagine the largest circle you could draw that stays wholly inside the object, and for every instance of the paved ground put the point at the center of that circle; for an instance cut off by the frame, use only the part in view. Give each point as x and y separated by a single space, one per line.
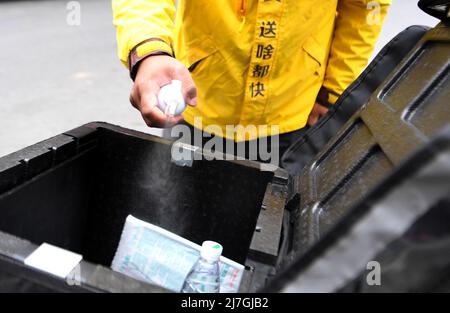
54 77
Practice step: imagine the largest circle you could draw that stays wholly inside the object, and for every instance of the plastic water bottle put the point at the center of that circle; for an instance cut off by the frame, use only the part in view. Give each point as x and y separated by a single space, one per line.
204 276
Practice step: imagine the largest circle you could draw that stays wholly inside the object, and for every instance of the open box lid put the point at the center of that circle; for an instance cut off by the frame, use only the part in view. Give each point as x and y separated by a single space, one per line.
400 119
404 112
395 239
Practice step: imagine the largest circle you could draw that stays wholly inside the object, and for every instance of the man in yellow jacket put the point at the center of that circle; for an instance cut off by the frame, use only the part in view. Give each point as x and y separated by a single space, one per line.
246 62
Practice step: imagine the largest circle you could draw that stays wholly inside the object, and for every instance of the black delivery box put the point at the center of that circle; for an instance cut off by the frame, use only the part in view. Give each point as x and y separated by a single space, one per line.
76 189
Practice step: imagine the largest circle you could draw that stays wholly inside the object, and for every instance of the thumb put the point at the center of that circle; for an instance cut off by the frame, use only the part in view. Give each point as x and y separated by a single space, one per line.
188 86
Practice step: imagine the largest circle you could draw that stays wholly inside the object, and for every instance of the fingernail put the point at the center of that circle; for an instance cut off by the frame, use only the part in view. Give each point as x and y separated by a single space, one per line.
193 101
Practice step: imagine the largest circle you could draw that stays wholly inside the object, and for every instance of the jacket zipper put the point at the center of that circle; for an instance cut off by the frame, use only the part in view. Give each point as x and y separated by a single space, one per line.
242 9
242 12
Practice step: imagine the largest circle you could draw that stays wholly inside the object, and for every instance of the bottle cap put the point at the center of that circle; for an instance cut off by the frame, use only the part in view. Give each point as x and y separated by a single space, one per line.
211 250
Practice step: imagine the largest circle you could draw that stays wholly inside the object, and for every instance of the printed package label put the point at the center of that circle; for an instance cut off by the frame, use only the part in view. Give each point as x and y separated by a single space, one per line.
152 254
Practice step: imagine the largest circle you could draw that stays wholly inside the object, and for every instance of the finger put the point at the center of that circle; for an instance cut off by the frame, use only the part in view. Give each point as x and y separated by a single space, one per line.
140 89
312 119
162 122
173 120
148 104
321 110
188 86
151 113
134 98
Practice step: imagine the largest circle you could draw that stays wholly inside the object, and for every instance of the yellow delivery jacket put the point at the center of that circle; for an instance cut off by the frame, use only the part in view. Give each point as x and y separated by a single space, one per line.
255 62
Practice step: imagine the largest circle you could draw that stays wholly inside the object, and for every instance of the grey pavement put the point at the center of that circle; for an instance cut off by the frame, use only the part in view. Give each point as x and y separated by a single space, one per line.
54 77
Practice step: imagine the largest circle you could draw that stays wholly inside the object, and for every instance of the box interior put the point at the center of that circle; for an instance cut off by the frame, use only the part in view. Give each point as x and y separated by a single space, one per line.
81 204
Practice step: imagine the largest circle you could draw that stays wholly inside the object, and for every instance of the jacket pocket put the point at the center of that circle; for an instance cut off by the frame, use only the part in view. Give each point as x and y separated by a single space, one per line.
198 50
315 56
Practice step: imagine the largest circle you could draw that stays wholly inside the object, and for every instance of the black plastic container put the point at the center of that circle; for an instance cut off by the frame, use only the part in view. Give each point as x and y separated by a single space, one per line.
75 191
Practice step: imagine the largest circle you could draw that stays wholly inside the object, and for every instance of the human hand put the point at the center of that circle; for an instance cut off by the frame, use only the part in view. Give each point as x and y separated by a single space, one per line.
153 73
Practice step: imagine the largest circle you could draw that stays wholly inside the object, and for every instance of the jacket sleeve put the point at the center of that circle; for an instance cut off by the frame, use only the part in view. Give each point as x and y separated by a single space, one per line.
144 26
357 28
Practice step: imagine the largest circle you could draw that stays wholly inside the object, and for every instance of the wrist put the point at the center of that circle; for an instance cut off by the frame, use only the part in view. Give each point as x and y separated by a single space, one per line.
145 49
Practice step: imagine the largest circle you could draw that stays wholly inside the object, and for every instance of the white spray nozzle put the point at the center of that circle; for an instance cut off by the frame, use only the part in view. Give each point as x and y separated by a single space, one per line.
171 100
